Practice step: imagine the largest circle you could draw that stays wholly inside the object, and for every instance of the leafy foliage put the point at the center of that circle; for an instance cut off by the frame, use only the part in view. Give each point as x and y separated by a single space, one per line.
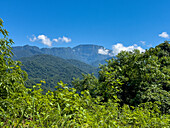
135 77
11 76
89 82
64 107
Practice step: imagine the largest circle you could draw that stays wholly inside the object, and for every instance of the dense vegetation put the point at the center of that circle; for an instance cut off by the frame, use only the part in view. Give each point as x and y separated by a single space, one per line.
85 67
53 70
134 78
49 68
131 91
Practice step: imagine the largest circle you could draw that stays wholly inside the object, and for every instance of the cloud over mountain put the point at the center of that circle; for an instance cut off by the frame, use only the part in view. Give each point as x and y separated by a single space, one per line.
33 39
119 47
62 39
47 41
103 51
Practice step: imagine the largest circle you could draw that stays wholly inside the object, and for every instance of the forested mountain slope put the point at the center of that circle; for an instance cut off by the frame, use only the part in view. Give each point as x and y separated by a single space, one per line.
53 69
49 68
84 67
97 63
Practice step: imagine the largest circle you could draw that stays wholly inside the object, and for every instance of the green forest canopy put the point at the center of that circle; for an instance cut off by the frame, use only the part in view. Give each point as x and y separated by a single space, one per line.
53 69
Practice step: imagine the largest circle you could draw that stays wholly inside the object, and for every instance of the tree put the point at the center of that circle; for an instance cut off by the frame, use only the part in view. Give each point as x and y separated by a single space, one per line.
89 82
11 76
134 78
138 77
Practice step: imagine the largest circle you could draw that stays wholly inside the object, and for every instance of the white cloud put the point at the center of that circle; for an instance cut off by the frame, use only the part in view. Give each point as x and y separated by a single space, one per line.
103 51
55 40
64 39
164 35
33 39
119 47
45 40
143 42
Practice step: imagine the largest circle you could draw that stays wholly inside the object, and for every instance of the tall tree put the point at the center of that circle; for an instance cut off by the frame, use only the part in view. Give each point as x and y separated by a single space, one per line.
134 78
11 76
138 77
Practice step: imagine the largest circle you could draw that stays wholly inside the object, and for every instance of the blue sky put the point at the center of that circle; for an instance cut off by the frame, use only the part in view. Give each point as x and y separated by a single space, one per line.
68 23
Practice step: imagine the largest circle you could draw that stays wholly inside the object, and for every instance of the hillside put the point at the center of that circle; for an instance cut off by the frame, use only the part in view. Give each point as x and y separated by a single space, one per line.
49 68
53 69
98 62
84 67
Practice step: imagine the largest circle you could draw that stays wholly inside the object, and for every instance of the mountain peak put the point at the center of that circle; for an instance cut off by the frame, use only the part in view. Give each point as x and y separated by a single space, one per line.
87 46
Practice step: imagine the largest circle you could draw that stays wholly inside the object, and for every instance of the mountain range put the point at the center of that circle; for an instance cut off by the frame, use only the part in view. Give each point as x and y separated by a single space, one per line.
59 64
90 54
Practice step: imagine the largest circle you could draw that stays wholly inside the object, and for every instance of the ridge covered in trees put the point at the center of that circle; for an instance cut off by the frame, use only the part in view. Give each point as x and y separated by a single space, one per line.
53 69
132 91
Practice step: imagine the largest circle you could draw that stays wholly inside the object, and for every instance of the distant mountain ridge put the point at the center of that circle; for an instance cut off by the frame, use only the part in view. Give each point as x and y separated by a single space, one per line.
85 53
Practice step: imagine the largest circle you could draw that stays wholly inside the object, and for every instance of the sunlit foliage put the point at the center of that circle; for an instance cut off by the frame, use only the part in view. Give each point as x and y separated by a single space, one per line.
99 103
